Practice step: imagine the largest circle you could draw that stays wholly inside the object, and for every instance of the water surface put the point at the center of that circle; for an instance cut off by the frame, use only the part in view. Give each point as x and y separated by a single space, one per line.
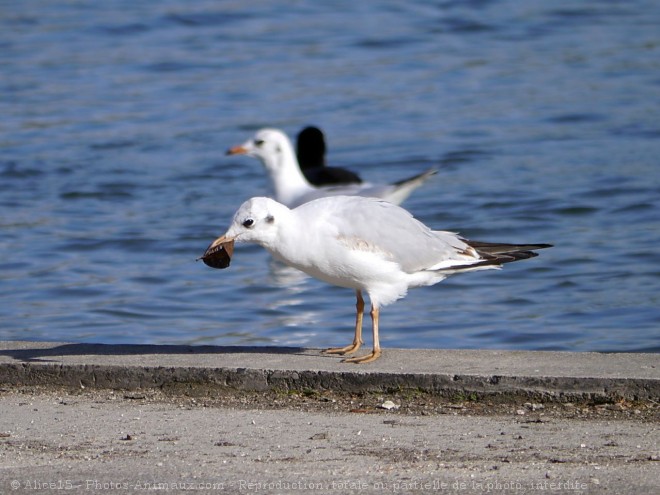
541 117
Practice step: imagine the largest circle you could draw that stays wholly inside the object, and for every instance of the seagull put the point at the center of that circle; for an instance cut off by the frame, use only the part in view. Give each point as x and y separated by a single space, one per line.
275 151
365 244
310 150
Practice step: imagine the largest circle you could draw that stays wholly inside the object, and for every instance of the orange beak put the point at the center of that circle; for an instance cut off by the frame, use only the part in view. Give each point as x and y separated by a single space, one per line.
237 150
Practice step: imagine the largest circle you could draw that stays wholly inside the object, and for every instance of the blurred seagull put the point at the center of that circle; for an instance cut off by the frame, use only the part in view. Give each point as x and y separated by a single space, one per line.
275 151
310 150
365 244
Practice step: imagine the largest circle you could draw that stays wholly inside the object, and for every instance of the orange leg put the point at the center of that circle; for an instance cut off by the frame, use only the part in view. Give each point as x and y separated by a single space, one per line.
375 354
357 340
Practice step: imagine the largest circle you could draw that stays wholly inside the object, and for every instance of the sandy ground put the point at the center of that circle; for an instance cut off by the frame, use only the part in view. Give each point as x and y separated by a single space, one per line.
132 442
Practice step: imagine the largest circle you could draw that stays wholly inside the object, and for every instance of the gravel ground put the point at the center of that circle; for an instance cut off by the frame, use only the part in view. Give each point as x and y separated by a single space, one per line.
130 442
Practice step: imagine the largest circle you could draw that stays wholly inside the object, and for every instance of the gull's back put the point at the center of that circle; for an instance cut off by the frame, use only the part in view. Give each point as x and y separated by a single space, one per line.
377 225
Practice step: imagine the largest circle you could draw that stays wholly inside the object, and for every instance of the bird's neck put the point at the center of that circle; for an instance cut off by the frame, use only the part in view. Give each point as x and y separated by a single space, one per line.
287 246
288 180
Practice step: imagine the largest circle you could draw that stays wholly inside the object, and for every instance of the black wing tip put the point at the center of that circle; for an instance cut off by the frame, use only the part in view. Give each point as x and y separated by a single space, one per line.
498 253
500 246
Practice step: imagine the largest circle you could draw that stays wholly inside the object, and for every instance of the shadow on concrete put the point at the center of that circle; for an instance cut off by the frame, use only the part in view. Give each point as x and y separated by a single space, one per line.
42 353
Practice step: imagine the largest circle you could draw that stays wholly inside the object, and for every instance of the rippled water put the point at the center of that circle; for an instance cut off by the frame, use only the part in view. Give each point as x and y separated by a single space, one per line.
542 118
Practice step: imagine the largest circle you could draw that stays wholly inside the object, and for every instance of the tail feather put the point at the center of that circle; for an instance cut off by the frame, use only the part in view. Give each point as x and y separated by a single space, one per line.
497 253
403 188
416 179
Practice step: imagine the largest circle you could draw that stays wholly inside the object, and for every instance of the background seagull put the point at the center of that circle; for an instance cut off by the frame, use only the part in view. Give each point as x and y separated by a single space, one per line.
364 244
275 151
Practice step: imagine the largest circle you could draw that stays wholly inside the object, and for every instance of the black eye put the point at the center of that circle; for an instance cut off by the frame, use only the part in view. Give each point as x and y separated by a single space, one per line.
259 142
248 223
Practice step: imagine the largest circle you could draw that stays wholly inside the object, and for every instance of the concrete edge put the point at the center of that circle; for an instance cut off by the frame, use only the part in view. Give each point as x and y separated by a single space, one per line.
211 381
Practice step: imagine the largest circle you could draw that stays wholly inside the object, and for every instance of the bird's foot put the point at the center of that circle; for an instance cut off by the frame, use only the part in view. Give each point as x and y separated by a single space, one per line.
349 349
375 354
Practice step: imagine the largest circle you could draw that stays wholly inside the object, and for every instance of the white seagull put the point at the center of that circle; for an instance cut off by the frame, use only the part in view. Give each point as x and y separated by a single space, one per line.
275 151
365 244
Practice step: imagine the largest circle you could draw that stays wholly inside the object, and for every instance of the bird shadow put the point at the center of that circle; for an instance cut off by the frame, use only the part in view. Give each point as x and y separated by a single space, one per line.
46 354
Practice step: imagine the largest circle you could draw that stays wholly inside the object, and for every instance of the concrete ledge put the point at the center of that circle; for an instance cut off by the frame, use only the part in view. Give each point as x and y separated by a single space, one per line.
203 369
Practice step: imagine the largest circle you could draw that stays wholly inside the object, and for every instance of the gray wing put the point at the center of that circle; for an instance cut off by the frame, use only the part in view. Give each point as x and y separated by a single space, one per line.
376 225
394 193
364 189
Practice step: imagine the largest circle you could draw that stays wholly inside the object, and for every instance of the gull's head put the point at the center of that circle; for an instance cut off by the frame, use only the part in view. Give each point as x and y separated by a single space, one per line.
257 220
271 146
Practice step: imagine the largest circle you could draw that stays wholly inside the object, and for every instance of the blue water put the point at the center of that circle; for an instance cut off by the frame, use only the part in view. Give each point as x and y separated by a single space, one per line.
543 119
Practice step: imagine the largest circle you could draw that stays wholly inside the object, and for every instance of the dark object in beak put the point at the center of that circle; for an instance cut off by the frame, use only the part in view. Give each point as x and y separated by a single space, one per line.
218 255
